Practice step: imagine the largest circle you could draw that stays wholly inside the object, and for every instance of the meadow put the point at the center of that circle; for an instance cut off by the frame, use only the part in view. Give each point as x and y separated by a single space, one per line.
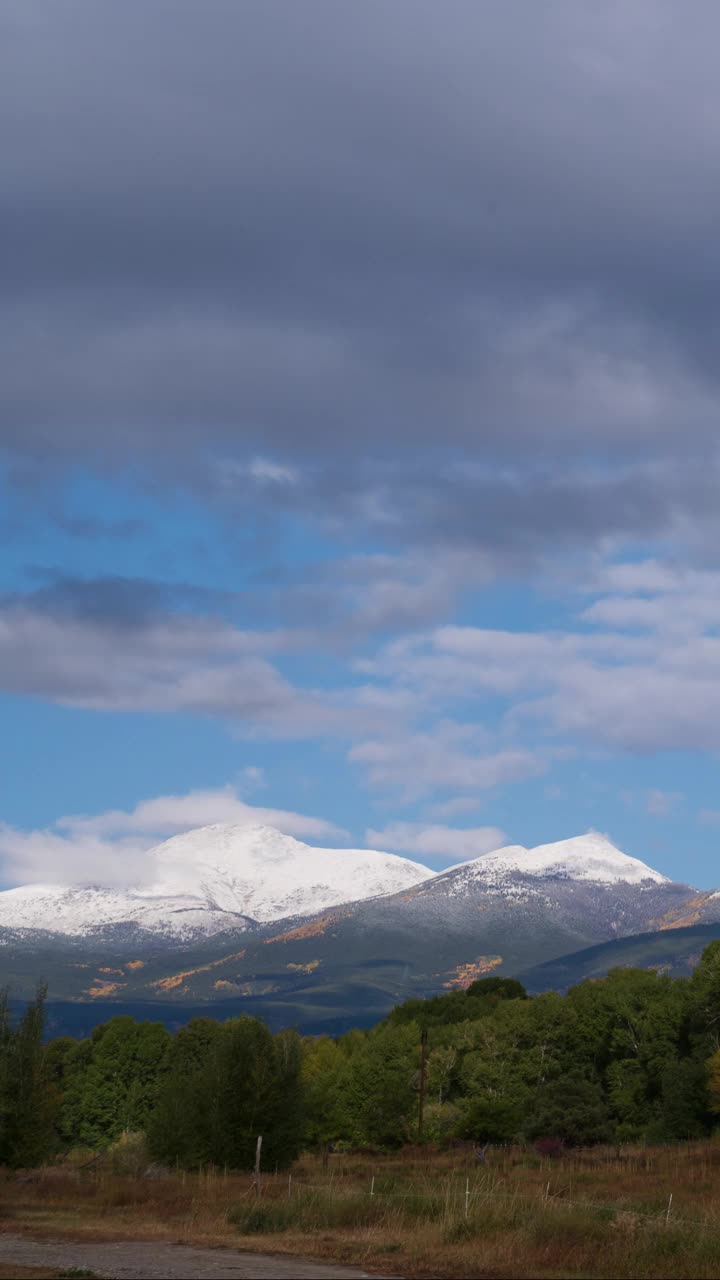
604 1212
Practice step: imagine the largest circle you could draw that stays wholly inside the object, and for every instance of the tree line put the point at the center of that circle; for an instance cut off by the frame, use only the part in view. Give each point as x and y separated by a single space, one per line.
635 1056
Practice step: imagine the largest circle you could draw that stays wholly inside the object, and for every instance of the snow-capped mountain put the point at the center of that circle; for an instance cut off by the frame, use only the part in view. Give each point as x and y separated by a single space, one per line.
212 879
583 888
513 906
357 931
207 882
592 857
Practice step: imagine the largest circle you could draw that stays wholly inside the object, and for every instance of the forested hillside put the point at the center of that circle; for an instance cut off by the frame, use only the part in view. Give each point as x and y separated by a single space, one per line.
636 1055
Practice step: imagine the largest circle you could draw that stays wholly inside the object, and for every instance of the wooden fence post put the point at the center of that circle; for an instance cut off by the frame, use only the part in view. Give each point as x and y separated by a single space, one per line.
258 1150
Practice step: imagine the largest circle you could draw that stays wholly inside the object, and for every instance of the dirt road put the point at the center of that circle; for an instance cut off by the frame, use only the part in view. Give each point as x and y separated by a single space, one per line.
146 1261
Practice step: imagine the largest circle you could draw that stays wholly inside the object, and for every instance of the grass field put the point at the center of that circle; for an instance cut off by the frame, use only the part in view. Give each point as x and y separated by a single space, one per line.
605 1212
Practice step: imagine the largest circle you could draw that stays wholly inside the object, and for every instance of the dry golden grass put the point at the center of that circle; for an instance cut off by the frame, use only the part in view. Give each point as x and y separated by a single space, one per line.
600 1213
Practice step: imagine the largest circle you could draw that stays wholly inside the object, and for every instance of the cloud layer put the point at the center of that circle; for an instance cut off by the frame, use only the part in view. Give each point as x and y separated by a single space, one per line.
110 847
414 324
462 228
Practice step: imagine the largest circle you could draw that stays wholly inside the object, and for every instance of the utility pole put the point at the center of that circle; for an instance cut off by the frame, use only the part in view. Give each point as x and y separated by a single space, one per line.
423 1066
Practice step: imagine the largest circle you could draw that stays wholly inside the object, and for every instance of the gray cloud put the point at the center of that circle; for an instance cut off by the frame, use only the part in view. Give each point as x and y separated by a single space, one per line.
132 659
128 645
310 230
445 287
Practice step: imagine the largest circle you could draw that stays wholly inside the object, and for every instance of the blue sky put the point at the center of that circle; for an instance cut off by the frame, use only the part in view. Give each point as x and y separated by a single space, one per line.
358 447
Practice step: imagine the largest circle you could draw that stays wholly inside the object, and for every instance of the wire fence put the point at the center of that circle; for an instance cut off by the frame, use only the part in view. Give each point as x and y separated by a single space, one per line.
471 1197
475 1198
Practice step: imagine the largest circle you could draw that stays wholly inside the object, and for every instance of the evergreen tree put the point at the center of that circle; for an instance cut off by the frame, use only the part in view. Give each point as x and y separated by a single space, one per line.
224 1089
29 1099
179 1128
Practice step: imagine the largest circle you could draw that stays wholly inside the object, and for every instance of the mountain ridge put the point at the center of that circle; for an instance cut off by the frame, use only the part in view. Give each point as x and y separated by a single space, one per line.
503 913
592 857
225 877
212 879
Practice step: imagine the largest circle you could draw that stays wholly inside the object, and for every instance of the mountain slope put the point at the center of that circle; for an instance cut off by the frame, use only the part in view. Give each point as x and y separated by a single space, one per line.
506 912
315 1002
672 951
211 880
502 913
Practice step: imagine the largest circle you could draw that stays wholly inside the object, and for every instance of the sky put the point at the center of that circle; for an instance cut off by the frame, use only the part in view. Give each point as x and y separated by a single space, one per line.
359 448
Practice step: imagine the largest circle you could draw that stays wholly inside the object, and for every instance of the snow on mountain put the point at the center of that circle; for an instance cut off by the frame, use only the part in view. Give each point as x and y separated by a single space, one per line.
267 875
78 911
591 857
214 878
225 877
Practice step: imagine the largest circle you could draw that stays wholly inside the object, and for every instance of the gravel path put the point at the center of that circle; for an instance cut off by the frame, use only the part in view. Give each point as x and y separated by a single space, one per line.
146 1261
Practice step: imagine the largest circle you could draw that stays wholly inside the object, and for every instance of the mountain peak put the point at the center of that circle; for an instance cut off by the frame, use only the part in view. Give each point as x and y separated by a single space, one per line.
266 874
223 841
591 857
221 876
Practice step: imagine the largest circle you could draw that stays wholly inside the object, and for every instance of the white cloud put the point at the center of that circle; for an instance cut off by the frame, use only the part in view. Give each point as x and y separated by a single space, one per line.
166 815
660 804
433 840
644 692
453 756
454 806
253 777
408 724
232 475
54 857
109 847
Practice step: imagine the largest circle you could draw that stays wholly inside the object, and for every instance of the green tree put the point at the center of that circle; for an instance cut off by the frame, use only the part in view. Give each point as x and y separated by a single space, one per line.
683 1110
382 1089
713 1071
179 1127
29 1098
627 1084
113 1080
225 1088
325 1077
570 1107
498 988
